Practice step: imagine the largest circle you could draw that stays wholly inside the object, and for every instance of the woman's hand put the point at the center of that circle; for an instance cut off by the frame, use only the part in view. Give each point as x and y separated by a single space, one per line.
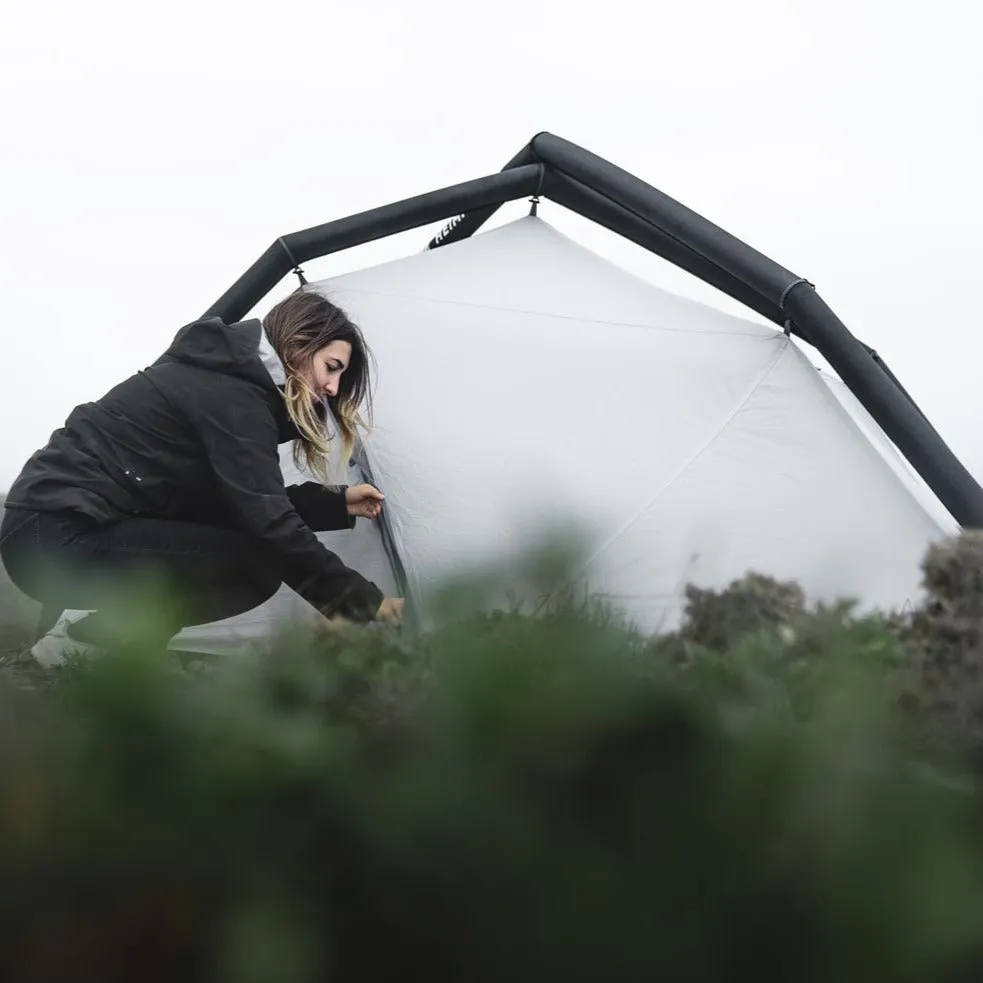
364 501
391 610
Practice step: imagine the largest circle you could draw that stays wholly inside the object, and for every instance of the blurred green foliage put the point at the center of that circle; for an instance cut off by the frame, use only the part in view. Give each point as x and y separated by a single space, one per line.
773 792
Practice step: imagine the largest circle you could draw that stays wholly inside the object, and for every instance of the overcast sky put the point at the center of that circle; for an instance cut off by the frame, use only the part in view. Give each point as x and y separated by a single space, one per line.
150 154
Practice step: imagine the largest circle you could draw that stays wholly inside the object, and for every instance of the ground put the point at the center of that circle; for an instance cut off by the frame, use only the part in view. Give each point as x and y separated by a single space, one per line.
18 617
16 663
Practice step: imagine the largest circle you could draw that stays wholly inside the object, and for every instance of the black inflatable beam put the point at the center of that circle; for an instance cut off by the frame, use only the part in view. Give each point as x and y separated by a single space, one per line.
704 238
886 369
287 252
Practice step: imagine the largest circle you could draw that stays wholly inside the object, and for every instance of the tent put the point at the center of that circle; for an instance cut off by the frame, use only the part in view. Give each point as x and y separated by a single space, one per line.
525 381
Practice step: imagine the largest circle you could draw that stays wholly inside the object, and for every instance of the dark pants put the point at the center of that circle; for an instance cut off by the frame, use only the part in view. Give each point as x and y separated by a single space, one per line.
197 573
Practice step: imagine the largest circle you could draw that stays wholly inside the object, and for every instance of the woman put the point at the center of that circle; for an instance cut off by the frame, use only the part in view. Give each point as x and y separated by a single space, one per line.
174 477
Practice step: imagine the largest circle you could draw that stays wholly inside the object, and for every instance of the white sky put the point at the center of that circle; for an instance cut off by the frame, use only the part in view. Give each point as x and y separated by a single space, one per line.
149 157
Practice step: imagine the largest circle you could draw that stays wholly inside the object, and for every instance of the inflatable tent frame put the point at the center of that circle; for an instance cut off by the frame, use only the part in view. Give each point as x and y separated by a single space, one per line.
575 178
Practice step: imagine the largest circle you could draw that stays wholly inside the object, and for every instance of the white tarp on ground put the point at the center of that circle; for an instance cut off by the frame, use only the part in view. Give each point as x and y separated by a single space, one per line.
524 381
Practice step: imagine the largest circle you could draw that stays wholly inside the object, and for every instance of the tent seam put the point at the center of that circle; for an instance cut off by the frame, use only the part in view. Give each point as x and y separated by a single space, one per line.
763 331
762 378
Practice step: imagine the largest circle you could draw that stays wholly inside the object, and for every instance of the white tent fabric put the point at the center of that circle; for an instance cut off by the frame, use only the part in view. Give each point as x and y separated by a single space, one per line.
891 454
524 382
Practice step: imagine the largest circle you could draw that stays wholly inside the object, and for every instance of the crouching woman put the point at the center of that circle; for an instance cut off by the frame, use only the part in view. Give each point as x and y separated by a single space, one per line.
173 477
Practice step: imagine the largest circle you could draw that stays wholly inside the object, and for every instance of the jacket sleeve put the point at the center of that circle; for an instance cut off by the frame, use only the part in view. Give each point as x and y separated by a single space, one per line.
322 507
240 440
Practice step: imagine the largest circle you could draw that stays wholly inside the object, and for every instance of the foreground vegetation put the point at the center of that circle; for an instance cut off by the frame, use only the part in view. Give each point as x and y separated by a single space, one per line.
773 792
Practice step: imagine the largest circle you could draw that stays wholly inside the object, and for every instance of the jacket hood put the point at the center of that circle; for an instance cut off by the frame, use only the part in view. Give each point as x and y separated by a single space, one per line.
240 349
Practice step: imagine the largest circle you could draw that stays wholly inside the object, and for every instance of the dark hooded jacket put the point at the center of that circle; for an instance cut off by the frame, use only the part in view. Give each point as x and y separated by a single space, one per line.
195 437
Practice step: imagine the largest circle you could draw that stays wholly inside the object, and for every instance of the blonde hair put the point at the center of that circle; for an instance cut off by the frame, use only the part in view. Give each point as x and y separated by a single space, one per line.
298 327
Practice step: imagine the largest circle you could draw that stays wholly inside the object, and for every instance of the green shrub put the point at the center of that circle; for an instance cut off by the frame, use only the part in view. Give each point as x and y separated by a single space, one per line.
504 798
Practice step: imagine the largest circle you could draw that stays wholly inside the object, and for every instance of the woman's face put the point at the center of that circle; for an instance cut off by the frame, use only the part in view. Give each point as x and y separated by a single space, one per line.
326 367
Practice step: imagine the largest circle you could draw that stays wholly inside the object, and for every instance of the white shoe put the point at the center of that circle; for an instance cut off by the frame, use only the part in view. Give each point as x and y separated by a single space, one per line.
56 647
